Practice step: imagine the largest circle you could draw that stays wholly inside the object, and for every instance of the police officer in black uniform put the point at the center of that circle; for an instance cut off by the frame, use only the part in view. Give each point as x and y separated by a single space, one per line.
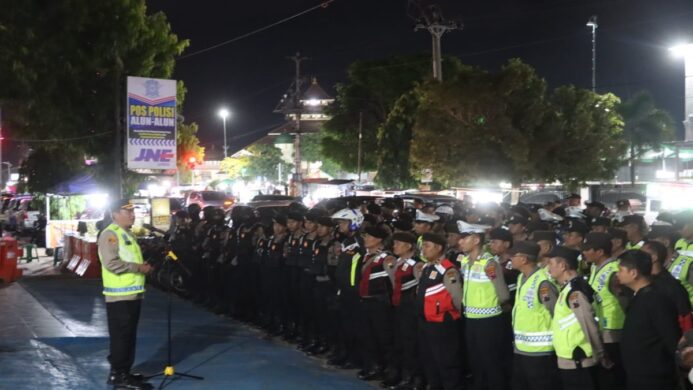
292 274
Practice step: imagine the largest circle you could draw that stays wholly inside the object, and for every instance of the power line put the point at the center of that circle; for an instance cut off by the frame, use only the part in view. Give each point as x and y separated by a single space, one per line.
58 139
323 5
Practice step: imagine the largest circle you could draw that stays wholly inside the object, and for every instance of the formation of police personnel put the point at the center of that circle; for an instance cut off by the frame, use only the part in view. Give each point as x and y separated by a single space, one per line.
456 296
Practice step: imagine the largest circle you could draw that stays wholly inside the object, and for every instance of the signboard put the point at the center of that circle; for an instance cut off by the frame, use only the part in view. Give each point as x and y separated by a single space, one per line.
151 124
161 213
427 175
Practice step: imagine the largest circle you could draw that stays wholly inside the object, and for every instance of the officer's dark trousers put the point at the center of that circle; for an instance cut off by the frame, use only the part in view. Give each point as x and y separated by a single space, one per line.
308 314
440 349
579 379
285 298
648 382
377 341
272 284
123 317
406 336
350 319
535 373
615 377
295 296
489 347
321 293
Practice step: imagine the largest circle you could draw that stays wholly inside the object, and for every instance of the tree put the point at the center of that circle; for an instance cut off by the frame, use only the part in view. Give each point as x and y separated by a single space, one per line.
235 167
265 161
488 127
372 89
312 151
646 127
63 66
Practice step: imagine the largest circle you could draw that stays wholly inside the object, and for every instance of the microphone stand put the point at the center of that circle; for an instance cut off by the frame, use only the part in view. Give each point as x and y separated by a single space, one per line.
169 373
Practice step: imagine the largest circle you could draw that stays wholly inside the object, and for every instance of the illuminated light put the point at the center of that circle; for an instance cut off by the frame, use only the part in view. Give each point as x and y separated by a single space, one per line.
97 201
682 50
312 102
224 113
192 160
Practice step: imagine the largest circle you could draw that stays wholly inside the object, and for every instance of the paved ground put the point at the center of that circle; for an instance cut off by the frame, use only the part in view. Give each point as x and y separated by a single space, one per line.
53 335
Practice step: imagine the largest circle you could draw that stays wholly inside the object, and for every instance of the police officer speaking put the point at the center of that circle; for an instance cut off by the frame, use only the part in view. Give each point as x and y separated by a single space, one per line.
123 271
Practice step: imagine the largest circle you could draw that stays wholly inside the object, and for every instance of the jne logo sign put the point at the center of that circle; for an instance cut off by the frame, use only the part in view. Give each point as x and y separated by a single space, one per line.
161 155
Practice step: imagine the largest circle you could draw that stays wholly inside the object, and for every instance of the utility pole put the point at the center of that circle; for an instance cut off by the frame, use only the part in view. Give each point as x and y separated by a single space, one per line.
431 18
594 25
297 109
359 149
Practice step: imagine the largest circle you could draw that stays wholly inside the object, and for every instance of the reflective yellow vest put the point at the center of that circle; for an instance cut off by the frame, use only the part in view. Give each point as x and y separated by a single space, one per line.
567 333
679 269
127 283
479 296
609 311
683 245
531 320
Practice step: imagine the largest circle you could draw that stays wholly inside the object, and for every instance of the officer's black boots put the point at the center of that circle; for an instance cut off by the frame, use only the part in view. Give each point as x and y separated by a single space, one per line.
126 381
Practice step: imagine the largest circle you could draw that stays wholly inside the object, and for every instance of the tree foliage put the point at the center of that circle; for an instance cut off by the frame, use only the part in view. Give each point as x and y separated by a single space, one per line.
505 126
265 161
63 66
235 167
646 126
372 90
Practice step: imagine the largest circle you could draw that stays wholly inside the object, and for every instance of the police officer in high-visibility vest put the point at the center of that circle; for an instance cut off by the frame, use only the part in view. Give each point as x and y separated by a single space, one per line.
678 265
123 272
575 331
439 295
610 304
636 228
534 358
684 221
486 302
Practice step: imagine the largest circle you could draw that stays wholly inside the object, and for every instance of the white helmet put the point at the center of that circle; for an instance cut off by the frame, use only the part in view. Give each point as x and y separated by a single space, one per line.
351 215
548 216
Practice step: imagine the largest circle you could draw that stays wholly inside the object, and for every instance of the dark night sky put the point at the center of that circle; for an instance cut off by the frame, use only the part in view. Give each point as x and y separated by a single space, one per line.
249 76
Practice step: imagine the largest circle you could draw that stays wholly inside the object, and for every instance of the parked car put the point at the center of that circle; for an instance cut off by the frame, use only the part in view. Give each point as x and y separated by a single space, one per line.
210 198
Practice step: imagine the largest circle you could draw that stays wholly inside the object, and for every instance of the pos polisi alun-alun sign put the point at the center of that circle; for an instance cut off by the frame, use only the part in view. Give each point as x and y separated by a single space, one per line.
151 119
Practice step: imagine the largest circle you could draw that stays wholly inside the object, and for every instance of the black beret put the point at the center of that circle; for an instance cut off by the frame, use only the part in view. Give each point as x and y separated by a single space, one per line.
525 247
597 240
374 208
407 237
402 225
435 238
313 214
294 215
500 234
600 221
596 204
451 227
575 225
534 226
665 231
325 221
544 235
376 232
516 218
280 219
569 255
390 204
618 234
574 196
633 220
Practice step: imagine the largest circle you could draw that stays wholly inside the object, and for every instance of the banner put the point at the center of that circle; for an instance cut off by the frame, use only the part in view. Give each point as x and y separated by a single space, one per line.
151 119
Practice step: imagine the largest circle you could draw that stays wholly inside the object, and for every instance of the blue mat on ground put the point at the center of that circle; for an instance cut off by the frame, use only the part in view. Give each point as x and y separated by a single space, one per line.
62 343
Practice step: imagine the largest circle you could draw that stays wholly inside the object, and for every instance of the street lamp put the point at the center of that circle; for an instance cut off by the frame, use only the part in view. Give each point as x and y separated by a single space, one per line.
685 51
224 113
593 24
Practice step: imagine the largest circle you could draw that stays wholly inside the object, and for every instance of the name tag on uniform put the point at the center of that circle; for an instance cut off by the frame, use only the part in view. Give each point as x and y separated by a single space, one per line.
405 266
433 275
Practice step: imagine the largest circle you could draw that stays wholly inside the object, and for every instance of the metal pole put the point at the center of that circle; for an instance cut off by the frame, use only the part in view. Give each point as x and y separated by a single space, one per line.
223 119
359 148
593 24
436 34
688 120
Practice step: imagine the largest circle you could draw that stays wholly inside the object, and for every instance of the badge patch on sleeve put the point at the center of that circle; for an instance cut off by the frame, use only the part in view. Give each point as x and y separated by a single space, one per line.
491 271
